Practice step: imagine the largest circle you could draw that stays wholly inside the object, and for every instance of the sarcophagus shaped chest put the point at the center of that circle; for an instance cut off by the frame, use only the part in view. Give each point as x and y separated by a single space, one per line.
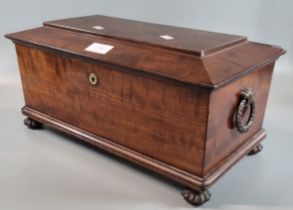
185 103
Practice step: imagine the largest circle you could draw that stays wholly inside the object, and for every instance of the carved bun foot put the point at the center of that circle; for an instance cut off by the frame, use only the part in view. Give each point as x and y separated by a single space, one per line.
256 149
32 124
196 198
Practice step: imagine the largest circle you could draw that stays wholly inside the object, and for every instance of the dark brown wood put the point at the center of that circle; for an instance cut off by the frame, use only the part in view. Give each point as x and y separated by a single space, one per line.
169 106
222 136
209 71
131 110
181 176
185 40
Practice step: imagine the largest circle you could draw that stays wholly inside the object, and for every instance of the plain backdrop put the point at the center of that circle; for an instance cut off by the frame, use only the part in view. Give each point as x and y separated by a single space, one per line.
48 170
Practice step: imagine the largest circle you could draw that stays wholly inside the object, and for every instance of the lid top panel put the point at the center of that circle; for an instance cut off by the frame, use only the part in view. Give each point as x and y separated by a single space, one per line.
135 46
185 40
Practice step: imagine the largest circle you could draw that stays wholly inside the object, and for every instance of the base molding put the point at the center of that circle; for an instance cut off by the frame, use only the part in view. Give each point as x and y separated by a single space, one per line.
176 174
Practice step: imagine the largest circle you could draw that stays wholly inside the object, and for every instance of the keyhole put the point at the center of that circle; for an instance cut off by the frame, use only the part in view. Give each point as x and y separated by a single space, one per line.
93 79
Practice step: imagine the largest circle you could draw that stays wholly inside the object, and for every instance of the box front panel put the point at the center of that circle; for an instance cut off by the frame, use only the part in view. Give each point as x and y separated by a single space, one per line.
157 118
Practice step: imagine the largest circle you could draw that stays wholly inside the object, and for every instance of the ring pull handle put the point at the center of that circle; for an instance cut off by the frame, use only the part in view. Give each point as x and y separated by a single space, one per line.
246 101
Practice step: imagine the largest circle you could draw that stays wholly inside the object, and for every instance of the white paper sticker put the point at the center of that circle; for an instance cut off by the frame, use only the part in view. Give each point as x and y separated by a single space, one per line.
99 48
167 37
98 27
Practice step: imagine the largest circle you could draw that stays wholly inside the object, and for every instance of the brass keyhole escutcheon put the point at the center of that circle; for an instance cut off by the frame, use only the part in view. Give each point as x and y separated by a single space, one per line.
93 79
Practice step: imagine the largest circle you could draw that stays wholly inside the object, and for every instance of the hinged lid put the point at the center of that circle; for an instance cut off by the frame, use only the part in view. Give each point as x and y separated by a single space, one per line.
191 56
185 40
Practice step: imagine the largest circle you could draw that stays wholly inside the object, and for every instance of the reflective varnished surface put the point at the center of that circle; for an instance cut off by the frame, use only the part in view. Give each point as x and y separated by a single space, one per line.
167 107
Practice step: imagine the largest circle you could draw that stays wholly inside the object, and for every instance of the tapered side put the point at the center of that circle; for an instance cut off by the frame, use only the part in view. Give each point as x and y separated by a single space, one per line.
224 137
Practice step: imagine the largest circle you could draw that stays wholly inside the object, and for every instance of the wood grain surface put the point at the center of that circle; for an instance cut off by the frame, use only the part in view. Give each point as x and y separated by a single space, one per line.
167 105
150 116
211 71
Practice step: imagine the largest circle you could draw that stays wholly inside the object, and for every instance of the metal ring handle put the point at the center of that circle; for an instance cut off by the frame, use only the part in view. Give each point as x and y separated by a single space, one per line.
246 96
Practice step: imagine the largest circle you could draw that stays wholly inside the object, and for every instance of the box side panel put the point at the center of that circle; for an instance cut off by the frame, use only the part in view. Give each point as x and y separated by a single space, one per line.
150 116
223 138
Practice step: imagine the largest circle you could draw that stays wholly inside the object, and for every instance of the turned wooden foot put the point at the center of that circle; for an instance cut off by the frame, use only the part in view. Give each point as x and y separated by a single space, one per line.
32 124
256 149
196 198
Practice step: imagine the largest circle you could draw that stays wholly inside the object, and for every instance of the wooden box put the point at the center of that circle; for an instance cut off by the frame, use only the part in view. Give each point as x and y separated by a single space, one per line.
185 103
